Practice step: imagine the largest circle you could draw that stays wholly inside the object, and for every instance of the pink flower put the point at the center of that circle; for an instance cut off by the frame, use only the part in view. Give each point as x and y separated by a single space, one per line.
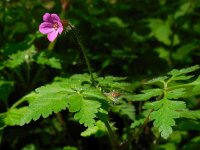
51 26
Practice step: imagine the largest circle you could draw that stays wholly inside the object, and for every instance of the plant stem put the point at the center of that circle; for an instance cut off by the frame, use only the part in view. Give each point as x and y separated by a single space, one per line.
111 135
17 103
137 133
83 50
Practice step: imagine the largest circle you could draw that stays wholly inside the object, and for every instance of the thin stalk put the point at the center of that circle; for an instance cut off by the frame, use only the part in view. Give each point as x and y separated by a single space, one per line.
17 103
83 50
20 76
111 135
51 46
137 133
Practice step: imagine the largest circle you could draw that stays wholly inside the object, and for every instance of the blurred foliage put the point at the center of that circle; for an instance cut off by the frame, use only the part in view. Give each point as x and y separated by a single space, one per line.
139 40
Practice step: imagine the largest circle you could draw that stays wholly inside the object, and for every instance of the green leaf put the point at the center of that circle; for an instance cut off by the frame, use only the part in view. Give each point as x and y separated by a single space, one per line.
176 93
182 77
20 57
45 104
184 9
184 51
176 72
147 94
190 114
69 148
161 30
125 110
114 82
18 116
137 123
85 109
44 59
163 53
95 93
2 122
118 21
157 80
74 93
164 114
98 130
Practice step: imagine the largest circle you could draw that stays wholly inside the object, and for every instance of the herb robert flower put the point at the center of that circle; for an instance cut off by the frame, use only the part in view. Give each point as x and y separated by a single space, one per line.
51 26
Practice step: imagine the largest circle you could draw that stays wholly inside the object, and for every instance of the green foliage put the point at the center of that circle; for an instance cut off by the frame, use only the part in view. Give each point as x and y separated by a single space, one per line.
146 43
85 109
161 30
19 58
165 110
125 110
164 114
73 93
98 130
53 62
147 94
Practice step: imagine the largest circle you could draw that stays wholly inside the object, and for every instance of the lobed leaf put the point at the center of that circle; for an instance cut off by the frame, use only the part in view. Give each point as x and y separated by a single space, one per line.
125 110
164 115
147 94
85 110
44 59
176 72
157 80
98 130
176 93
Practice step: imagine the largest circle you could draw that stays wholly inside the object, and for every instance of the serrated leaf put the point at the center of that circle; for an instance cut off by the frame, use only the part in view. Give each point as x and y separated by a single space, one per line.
74 102
85 110
74 93
20 57
2 123
176 93
47 104
114 82
190 114
18 116
156 80
176 72
125 110
98 130
182 77
164 115
147 94
53 62
95 93
137 123
45 101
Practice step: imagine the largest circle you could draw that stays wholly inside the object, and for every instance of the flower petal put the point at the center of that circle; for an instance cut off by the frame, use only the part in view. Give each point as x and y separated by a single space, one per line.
52 36
46 27
60 28
47 17
55 18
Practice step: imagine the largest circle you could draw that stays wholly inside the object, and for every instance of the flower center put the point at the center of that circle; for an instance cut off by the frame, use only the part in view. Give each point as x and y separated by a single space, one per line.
55 25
